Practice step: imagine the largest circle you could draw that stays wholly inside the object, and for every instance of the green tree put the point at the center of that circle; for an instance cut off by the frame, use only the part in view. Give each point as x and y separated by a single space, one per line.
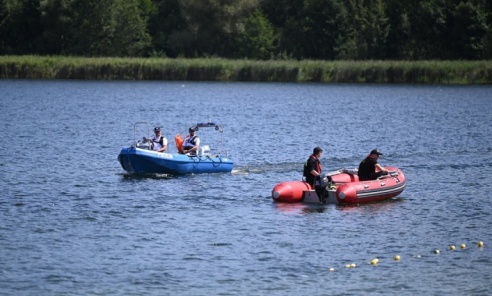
166 20
487 11
425 29
467 30
20 26
285 15
57 20
256 41
93 28
302 29
446 29
130 36
212 26
367 31
399 24
9 10
109 28
278 12
307 29
323 23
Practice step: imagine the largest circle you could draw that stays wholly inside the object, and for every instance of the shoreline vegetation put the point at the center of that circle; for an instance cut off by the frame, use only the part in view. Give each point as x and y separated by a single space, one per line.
218 69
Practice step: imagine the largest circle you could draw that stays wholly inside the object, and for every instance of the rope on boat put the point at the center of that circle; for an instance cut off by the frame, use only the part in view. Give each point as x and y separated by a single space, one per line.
214 163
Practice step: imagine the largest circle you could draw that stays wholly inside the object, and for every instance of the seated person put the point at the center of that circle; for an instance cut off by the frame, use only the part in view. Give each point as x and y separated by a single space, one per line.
191 143
158 142
369 169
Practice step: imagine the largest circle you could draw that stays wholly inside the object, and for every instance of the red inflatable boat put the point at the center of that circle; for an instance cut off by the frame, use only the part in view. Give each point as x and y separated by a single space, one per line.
347 189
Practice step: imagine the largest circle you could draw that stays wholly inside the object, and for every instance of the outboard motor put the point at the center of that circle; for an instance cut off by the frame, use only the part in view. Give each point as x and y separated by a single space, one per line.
321 184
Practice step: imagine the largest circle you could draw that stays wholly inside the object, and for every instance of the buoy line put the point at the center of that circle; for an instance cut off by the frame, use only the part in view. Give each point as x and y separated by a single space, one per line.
397 258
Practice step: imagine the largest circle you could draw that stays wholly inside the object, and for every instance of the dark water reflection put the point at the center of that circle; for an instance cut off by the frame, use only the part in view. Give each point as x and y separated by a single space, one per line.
74 223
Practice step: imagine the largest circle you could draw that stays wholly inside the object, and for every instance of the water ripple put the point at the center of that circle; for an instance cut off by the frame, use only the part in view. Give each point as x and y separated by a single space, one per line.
74 222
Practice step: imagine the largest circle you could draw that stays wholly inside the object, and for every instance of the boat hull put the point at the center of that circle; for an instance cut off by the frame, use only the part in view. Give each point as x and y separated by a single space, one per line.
290 191
371 191
142 161
349 190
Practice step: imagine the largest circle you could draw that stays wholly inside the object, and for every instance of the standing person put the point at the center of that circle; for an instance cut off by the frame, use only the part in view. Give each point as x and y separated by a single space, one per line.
158 141
312 167
369 168
191 143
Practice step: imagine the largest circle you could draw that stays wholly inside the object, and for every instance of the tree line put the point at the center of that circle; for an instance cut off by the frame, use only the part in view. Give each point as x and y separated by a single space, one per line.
250 29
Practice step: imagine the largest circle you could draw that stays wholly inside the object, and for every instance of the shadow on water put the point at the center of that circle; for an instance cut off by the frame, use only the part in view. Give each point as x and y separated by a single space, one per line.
310 208
133 177
371 207
300 208
153 176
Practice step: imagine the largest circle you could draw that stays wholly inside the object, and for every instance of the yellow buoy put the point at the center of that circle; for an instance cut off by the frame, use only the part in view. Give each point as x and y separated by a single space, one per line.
463 246
452 247
397 258
374 261
480 244
353 265
347 265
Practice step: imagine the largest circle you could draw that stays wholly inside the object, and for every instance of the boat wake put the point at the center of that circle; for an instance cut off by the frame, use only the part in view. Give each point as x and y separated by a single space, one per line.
288 167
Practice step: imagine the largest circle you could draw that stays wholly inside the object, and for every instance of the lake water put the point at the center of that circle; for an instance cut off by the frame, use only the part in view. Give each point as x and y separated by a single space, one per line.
73 223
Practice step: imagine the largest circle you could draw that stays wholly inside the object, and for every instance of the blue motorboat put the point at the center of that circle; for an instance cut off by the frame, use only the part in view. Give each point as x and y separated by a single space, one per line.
140 159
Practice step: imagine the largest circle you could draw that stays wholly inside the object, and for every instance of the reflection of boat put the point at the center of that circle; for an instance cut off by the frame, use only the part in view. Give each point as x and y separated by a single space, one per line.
139 159
347 188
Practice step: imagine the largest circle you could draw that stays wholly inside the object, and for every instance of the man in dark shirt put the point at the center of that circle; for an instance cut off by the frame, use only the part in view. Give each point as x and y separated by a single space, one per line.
367 167
312 167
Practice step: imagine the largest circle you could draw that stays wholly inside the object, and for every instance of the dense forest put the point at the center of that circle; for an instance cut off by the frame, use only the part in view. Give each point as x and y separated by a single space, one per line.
250 29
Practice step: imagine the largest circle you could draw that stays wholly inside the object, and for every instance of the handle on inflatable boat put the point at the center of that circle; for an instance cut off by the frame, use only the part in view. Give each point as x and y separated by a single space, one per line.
388 174
333 173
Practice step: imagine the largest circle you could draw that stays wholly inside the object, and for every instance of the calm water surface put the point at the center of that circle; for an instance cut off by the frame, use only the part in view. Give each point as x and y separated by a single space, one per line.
73 223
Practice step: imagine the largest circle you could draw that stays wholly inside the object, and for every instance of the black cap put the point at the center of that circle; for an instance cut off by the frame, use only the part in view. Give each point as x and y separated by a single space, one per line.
191 129
157 129
317 150
375 151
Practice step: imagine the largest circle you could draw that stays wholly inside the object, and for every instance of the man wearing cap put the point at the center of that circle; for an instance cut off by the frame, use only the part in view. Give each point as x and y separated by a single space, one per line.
191 143
369 168
158 141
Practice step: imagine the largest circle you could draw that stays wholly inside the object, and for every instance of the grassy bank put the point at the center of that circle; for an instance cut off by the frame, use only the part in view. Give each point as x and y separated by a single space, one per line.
427 72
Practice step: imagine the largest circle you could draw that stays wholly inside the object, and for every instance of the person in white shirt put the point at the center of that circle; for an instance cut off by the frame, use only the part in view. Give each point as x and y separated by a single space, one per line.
191 143
158 141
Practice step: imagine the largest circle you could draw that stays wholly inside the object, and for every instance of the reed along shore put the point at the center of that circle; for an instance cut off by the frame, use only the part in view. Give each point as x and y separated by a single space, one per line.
215 69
